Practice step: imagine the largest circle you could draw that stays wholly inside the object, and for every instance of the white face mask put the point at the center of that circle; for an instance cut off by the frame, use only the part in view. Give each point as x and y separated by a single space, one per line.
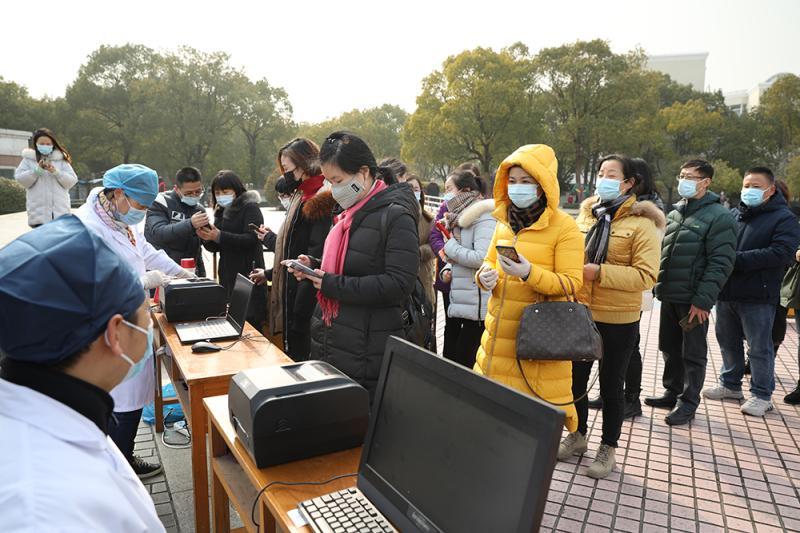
348 193
286 202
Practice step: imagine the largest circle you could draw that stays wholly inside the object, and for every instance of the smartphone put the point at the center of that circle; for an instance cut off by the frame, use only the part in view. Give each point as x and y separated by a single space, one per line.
297 265
686 325
441 227
508 252
253 227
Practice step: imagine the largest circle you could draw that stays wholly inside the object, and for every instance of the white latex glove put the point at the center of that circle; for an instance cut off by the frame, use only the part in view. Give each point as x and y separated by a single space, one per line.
153 279
521 270
184 274
488 278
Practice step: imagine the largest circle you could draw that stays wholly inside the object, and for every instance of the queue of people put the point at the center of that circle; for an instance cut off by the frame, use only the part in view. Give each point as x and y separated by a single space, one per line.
378 260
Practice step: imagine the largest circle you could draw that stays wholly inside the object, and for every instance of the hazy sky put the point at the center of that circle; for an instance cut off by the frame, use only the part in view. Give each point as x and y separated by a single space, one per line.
334 56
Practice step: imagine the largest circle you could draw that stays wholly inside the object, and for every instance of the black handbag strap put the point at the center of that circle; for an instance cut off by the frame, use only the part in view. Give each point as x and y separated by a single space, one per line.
574 401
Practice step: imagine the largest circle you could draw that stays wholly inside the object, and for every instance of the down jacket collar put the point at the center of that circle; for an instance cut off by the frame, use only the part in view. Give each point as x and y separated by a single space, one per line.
471 214
238 204
319 206
30 153
632 207
538 160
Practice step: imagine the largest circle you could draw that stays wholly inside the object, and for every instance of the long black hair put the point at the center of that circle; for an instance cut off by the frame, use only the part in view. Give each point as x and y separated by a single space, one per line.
646 185
349 152
44 132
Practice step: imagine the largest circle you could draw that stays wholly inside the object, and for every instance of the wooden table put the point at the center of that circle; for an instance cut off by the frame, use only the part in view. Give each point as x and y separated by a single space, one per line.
236 479
199 375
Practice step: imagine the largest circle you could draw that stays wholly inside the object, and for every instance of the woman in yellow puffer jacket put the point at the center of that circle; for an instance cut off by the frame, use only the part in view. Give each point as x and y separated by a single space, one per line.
623 250
550 246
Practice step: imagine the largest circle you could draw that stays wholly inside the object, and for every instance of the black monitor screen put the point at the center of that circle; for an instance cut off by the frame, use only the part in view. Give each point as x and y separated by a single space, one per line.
461 459
240 301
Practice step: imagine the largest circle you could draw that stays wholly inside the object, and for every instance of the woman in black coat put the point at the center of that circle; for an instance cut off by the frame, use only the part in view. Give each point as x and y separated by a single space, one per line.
240 252
369 265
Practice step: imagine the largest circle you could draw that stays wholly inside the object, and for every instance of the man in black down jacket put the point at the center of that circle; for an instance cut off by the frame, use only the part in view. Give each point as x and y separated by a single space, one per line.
768 235
175 215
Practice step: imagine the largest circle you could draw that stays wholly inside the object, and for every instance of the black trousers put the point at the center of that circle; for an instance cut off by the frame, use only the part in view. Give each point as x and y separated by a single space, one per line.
618 341
633 378
298 342
779 325
122 430
461 340
685 354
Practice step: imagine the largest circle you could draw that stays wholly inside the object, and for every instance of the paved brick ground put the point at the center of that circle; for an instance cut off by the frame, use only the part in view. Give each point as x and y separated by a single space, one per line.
724 472
157 486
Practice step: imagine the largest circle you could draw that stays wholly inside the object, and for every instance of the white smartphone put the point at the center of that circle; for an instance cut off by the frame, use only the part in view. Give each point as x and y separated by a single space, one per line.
297 265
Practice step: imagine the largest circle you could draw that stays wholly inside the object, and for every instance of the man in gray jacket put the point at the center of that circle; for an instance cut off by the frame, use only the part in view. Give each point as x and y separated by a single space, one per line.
174 217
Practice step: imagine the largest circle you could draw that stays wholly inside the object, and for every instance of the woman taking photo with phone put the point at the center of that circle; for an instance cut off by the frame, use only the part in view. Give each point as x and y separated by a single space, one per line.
623 250
369 264
470 224
46 173
549 247
235 209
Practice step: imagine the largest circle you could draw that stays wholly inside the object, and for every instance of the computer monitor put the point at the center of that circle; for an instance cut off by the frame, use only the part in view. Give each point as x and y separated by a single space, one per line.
449 450
240 302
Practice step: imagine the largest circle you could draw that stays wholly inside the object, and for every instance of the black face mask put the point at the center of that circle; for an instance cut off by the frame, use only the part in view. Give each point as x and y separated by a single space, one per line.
289 177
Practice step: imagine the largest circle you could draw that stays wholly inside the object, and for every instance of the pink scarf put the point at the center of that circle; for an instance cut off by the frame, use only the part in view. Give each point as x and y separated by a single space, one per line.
335 250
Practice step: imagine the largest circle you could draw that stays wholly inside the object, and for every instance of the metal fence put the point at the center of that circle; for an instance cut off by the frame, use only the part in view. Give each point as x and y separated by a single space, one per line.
432 203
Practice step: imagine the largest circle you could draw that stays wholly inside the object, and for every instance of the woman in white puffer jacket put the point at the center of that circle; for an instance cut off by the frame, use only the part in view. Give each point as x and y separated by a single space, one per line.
47 175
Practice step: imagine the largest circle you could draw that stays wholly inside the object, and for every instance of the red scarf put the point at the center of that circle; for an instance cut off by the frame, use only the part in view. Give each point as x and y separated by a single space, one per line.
335 250
310 186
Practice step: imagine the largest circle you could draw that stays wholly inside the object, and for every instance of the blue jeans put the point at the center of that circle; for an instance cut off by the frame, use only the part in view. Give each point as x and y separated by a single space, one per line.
735 323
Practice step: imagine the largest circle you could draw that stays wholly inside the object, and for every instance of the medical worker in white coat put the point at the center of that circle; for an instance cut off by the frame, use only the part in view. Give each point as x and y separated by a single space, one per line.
114 212
74 323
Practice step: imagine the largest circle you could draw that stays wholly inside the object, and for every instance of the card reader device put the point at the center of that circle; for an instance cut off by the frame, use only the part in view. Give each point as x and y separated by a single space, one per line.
193 299
291 412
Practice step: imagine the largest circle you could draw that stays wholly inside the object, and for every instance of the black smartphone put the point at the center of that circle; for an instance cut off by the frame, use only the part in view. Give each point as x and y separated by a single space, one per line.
686 325
253 227
508 252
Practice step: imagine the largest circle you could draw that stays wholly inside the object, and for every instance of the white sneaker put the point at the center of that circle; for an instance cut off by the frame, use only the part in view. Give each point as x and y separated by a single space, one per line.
721 392
757 407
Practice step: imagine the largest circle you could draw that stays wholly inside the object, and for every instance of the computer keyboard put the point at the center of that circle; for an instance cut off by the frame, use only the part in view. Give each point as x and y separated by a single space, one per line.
214 328
346 511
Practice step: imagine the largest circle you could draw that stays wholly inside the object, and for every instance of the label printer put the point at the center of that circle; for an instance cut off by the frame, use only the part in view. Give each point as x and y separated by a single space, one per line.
295 411
186 300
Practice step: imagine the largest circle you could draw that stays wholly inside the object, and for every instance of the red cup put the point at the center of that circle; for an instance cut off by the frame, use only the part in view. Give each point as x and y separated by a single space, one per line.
188 263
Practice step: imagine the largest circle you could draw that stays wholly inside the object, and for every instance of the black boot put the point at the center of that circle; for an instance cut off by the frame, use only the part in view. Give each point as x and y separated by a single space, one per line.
667 400
747 366
633 407
596 403
793 398
682 414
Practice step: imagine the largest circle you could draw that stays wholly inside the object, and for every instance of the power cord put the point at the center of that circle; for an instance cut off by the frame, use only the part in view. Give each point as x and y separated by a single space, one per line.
290 484
249 337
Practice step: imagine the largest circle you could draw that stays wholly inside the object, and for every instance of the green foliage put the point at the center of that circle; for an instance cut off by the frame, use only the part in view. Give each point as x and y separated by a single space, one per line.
12 197
726 178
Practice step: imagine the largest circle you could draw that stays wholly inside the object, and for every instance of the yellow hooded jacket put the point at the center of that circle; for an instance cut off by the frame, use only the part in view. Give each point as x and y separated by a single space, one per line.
554 247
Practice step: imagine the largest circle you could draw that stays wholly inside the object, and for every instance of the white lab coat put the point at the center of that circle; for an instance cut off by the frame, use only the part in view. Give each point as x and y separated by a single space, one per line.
61 473
136 392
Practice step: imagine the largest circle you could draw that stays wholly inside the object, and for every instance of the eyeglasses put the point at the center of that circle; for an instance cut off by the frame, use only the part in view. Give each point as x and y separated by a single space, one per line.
195 194
688 177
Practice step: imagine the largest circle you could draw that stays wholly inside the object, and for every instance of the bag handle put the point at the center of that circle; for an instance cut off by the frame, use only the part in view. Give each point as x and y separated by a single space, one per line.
575 400
564 288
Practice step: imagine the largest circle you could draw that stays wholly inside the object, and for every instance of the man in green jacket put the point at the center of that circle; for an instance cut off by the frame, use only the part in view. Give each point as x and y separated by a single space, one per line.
697 257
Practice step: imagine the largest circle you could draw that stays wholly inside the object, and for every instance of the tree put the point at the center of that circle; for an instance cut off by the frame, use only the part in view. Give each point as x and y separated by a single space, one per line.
778 116
15 107
479 107
792 176
584 88
109 99
726 178
263 116
380 127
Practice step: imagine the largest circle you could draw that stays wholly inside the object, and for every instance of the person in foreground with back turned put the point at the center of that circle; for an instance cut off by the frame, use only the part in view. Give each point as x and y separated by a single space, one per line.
74 324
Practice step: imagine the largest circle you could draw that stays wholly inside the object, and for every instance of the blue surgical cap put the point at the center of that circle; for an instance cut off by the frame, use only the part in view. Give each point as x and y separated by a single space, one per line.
59 286
136 181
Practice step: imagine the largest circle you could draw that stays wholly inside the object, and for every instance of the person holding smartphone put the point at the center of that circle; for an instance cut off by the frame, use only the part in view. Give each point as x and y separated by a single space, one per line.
47 175
623 247
549 247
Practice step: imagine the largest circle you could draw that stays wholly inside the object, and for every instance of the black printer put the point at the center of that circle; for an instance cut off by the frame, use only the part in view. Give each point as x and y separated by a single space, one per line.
186 300
291 412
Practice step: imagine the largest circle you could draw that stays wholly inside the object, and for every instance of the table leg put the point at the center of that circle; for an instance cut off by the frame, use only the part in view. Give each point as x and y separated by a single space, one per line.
266 518
219 498
199 461
158 403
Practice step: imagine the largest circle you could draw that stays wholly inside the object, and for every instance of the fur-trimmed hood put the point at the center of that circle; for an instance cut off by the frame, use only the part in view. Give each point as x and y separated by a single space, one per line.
240 202
319 206
645 208
471 214
30 153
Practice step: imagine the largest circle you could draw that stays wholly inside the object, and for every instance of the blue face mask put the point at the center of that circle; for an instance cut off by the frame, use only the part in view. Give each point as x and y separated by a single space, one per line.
417 195
191 201
752 197
45 149
139 365
607 189
523 195
225 200
687 188
449 196
133 216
